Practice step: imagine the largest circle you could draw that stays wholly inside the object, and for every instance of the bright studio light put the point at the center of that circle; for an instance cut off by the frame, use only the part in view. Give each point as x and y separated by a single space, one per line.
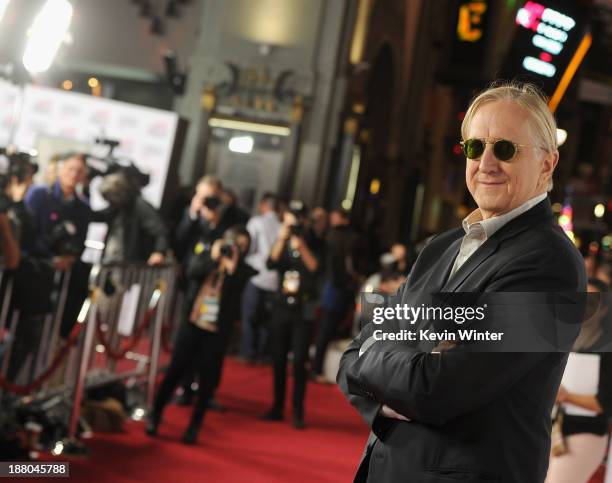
561 136
47 33
600 210
241 144
3 5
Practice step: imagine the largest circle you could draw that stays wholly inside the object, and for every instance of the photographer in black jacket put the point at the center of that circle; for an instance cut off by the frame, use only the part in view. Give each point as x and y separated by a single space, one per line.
217 276
136 232
297 263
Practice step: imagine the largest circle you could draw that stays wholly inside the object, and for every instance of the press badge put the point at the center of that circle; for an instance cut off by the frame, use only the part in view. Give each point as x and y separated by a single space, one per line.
208 314
291 282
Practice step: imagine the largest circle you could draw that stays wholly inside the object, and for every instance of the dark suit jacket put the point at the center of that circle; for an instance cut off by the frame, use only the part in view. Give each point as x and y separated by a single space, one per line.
475 417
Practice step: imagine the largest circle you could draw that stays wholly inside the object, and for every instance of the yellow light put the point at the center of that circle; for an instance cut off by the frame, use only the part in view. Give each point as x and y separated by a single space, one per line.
262 128
570 235
67 84
599 210
556 207
93 82
571 69
469 16
375 186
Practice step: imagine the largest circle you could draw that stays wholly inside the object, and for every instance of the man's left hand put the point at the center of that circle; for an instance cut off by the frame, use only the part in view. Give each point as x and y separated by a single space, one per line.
156 258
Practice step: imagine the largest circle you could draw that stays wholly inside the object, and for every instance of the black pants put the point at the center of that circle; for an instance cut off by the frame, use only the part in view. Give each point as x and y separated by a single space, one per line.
207 350
327 331
289 332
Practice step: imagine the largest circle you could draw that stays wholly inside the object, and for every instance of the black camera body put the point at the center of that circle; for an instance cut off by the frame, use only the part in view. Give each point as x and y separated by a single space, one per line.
17 164
63 239
298 230
212 202
227 250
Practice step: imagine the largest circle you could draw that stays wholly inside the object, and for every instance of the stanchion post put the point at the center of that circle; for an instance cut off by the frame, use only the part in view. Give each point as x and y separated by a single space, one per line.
156 346
90 331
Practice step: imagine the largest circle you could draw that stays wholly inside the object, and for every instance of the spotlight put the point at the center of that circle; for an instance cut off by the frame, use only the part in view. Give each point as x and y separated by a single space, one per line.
241 144
67 85
47 33
599 210
93 82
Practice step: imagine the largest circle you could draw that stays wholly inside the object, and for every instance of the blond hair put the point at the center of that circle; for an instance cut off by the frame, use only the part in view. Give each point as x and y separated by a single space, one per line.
210 180
531 99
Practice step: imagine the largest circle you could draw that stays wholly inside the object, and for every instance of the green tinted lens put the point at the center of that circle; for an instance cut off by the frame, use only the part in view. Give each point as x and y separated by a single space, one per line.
473 148
504 150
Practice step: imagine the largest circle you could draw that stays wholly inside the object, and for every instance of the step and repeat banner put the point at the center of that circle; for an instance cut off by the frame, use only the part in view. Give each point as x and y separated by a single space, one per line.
52 120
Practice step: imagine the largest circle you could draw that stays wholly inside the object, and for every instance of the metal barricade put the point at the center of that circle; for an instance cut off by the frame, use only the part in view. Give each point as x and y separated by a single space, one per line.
119 335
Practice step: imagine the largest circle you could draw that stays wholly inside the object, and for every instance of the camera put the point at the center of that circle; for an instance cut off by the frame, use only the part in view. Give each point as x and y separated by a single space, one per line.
63 239
212 202
226 250
110 164
297 230
16 164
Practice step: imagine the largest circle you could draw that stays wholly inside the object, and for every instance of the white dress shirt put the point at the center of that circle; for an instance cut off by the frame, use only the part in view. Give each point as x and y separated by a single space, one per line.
477 230
263 230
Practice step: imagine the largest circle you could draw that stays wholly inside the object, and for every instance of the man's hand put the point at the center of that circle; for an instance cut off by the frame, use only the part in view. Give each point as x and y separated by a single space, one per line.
387 412
195 206
156 258
284 233
63 263
18 190
562 395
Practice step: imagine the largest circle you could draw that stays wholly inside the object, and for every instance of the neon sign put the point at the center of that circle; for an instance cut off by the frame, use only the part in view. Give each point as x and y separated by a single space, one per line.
469 24
551 32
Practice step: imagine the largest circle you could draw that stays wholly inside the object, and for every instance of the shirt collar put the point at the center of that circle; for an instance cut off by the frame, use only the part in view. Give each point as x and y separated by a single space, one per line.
474 223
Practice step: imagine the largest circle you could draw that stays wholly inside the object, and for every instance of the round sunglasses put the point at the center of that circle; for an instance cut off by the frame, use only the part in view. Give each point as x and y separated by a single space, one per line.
503 149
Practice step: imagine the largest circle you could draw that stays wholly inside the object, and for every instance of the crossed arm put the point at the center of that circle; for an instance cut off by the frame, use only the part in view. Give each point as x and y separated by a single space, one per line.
434 388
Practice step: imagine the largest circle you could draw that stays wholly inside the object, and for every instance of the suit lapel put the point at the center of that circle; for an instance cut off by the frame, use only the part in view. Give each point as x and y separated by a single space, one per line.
442 268
484 251
541 213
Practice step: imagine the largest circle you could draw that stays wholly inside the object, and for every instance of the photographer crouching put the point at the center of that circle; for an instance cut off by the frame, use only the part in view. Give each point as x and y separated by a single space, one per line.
216 276
297 262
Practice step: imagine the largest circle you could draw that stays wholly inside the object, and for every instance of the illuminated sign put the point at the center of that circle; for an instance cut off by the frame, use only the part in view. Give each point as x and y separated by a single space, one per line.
548 45
470 21
551 30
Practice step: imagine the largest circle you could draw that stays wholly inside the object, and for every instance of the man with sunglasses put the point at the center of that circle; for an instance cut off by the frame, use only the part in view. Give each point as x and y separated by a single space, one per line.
440 416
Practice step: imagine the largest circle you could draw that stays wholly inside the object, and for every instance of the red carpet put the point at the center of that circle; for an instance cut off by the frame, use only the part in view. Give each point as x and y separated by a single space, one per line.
235 446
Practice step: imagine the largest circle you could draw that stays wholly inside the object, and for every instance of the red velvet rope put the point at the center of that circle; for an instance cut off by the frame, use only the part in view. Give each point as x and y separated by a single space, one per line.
166 344
119 354
36 383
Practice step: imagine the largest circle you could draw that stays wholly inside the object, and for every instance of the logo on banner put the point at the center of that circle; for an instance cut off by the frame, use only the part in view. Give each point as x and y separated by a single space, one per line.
158 129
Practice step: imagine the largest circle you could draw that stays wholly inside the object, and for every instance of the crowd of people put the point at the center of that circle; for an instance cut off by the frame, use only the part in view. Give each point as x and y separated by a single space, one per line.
288 278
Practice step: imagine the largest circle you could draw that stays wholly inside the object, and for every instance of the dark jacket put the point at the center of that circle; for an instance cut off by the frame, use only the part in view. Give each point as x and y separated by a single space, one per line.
475 417
48 208
144 231
199 268
191 232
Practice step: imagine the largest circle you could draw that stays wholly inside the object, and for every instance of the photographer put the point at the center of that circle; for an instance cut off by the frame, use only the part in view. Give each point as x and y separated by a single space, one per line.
136 232
16 224
297 263
61 214
61 217
217 276
33 277
203 222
